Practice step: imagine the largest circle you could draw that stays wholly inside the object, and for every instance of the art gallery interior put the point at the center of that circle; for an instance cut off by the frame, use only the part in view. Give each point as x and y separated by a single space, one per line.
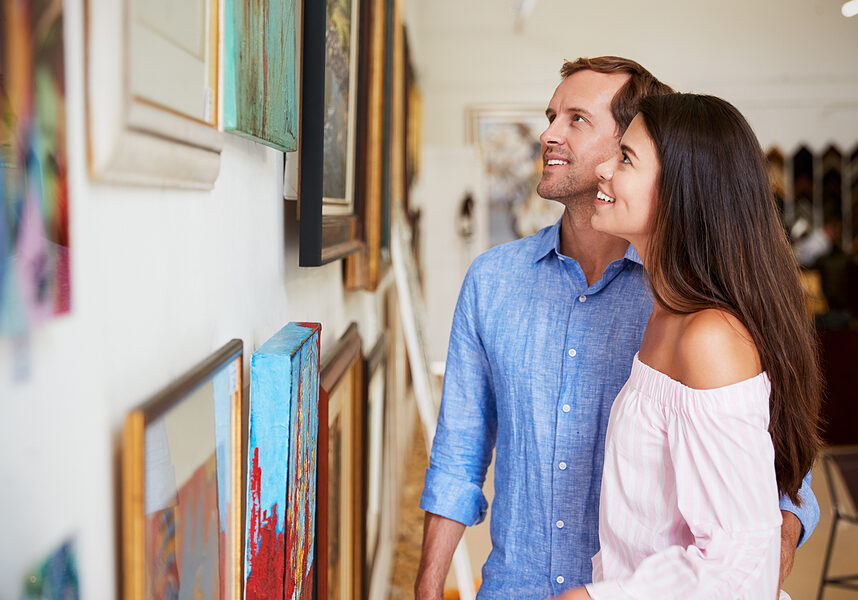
186 220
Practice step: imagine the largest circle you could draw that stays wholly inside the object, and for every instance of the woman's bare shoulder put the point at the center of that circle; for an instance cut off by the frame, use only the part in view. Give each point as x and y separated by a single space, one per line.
715 349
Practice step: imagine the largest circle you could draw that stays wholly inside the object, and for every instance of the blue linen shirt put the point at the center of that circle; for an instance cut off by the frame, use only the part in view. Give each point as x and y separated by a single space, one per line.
535 361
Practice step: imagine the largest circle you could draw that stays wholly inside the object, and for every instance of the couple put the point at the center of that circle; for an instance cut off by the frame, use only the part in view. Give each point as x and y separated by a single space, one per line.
645 368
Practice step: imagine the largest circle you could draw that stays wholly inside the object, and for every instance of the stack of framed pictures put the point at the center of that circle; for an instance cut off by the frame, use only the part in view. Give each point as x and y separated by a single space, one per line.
181 486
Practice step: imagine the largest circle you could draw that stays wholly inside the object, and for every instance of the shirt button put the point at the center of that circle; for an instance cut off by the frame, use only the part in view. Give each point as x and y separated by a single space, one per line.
566 408
560 524
562 466
560 579
582 298
572 352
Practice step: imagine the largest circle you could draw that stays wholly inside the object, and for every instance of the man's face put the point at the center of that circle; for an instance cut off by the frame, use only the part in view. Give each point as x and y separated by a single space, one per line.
581 134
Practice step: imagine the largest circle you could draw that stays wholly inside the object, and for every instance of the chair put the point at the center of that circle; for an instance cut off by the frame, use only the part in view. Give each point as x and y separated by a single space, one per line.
842 464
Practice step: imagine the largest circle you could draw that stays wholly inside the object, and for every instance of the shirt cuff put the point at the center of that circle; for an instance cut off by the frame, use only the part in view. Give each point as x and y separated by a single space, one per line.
807 513
453 498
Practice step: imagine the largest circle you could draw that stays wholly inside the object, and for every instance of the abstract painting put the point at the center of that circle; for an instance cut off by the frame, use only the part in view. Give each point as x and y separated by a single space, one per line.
508 140
260 93
34 220
181 486
282 458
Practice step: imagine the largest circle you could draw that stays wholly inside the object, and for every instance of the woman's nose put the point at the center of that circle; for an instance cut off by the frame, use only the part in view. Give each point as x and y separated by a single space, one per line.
604 170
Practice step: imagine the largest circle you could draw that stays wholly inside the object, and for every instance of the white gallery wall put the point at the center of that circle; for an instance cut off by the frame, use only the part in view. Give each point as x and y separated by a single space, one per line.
160 279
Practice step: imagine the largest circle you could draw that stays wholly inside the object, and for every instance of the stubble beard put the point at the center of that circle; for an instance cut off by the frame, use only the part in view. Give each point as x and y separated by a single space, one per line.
575 195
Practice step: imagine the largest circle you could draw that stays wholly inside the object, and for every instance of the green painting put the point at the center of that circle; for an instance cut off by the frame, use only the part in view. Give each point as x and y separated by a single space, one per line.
260 96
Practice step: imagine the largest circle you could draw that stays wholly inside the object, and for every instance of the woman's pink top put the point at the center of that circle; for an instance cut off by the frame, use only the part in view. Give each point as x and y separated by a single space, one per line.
689 506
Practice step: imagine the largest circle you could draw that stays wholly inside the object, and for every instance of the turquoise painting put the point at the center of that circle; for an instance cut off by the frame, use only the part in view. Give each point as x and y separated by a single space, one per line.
260 92
282 457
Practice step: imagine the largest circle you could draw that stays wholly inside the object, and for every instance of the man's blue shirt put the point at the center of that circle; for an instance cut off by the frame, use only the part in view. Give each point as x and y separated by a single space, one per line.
536 358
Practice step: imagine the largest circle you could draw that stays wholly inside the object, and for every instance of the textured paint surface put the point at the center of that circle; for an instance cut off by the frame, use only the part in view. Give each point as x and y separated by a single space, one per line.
34 234
260 92
284 398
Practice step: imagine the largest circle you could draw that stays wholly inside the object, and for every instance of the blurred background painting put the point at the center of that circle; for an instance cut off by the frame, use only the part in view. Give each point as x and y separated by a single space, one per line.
34 240
508 142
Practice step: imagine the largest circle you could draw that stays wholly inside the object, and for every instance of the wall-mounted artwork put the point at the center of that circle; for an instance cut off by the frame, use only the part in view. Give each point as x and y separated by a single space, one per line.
508 140
341 520
329 119
152 92
282 455
374 467
54 578
260 93
181 507
34 220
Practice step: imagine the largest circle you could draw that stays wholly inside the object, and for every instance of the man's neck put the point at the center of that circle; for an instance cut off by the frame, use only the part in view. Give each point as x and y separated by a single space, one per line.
593 250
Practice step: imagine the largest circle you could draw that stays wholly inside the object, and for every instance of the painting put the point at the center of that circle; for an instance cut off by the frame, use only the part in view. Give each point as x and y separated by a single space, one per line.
34 203
331 77
260 82
341 524
282 456
152 92
181 483
366 268
56 578
376 394
508 141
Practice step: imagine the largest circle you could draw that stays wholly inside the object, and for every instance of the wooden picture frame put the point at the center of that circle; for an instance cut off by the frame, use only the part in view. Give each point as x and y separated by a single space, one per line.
172 448
282 453
374 467
260 72
329 224
366 268
342 500
152 92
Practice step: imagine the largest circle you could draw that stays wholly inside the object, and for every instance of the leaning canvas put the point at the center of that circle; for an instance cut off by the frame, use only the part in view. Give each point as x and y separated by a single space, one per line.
282 457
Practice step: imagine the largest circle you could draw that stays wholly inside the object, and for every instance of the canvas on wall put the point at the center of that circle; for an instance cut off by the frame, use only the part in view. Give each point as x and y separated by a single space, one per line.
180 486
282 457
34 220
508 140
260 77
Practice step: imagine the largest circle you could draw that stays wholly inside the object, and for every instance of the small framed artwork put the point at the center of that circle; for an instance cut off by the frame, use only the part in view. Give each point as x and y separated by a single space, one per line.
152 92
329 225
342 499
181 486
282 456
374 468
260 82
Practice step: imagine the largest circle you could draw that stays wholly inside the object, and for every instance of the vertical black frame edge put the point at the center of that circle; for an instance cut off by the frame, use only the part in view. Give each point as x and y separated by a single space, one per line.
312 127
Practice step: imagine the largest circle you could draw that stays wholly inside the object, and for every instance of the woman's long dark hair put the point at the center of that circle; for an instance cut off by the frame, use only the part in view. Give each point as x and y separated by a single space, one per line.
717 242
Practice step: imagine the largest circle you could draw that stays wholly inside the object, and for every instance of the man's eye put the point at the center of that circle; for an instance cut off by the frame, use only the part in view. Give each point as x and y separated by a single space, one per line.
577 118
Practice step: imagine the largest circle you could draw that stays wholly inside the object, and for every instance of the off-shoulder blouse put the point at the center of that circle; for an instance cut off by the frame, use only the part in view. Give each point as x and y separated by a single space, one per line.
689 504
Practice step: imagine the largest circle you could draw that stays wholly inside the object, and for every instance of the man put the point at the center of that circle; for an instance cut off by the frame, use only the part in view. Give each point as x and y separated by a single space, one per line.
543 339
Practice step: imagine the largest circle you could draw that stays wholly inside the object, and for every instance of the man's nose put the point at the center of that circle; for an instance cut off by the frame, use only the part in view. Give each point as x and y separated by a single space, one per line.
549 137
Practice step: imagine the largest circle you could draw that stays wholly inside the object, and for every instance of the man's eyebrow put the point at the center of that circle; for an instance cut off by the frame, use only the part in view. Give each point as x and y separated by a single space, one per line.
627 149
575 109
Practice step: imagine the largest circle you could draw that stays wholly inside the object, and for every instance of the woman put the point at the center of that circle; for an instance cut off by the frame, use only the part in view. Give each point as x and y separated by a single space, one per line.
719 413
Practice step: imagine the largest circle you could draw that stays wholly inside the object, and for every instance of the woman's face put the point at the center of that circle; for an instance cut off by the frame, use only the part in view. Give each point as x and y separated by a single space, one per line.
627 188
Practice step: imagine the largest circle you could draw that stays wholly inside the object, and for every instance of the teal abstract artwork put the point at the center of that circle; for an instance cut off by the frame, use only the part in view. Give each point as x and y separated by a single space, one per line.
260 93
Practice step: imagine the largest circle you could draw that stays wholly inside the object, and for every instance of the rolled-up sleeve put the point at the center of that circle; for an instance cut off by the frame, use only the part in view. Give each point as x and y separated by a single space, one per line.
467 423
807 512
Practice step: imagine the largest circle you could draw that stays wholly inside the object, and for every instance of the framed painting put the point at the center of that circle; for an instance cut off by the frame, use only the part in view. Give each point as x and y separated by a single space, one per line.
366 268
374 468
181 503
340 552
282 454
260 93
332 36
152 92
508 141
34 220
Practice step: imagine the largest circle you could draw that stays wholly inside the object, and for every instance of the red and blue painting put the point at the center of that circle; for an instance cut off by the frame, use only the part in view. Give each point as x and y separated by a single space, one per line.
282 457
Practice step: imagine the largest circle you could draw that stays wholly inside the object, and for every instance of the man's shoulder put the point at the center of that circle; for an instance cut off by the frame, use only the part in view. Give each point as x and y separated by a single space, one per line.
506 257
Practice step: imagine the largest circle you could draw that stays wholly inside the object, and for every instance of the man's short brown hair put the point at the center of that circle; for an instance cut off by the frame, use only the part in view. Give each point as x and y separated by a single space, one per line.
641 83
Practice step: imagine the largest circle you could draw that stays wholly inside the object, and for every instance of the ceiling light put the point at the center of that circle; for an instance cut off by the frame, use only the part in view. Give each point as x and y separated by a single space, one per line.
850 9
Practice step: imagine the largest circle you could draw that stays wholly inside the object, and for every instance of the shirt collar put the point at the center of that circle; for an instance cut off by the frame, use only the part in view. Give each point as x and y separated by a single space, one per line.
549 240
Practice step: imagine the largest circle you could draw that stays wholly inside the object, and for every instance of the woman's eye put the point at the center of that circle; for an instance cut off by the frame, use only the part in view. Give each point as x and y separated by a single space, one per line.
626 160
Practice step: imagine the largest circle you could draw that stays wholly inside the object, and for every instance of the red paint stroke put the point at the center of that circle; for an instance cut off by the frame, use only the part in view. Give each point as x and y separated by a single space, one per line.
265 580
